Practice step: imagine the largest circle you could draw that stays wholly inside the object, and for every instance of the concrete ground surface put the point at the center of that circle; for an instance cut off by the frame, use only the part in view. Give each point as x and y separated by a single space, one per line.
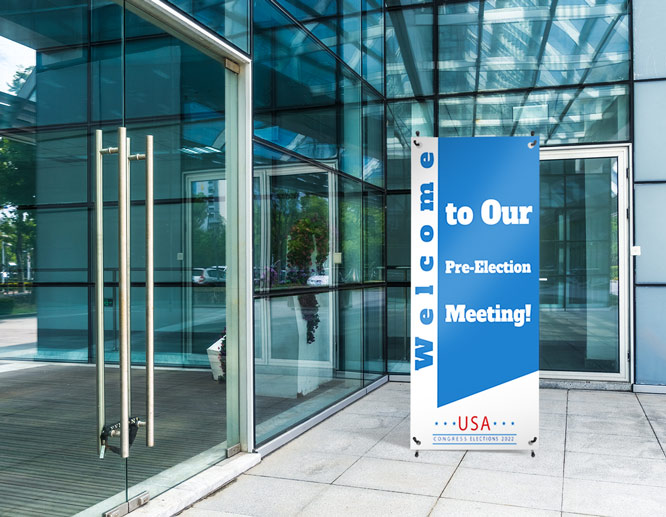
601 453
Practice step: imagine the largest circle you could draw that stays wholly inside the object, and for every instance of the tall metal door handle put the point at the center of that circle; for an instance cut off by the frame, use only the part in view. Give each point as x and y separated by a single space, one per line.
99 281
124 285
123 288
150 300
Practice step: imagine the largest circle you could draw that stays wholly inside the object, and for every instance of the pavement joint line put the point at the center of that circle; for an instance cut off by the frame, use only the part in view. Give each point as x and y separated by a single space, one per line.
447 482
507 505
564 452
661 445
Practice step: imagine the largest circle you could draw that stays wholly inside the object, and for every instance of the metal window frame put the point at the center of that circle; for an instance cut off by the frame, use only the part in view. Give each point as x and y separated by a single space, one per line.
623 153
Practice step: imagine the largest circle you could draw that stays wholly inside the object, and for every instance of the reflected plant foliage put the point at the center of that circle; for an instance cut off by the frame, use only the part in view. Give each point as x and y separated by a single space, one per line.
17 224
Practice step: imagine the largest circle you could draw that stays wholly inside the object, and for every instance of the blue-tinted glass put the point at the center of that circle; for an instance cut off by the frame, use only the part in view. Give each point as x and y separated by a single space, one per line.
304 99
294 224
350 201
373 138
409 53
350 332
336 23
398 231
374 302
52 325
296 371
373 44
591 114
229 18
579 288
397 329
373 236
520 44
458 46
403 120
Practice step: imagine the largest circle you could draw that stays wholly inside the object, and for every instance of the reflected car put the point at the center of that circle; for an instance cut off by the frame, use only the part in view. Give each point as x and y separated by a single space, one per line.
215 276
317 280
198 275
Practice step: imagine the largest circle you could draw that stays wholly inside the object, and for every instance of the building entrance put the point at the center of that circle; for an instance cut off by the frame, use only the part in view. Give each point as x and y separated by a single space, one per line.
85 368
584 263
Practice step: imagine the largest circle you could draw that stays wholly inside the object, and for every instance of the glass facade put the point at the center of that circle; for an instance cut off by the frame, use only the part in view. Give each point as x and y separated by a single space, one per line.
558 70
339 88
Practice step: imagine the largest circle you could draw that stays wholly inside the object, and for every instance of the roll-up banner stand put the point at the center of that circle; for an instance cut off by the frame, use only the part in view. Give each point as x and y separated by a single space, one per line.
475 293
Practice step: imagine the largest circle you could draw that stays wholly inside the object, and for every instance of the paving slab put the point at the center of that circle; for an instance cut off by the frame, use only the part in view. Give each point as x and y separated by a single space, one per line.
455 508
617 469
509 488
395 446
336 501
397 476
547 462
613 499
290 463
614 444
263 496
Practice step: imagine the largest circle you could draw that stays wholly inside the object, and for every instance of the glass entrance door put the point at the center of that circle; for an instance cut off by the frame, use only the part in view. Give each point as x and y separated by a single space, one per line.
584 256
70 70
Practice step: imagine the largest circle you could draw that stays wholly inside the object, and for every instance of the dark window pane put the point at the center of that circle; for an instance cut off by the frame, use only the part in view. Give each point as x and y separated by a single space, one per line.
403 120
373 236
373 334
373 139
398 231
409 56
304 99
398 329
229 18
350 199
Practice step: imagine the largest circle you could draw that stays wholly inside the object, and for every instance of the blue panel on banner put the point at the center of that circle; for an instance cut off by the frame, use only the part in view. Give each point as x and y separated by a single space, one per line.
488 264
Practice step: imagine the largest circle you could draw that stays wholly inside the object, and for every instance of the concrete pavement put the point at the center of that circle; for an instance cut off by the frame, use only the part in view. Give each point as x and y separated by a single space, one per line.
601 453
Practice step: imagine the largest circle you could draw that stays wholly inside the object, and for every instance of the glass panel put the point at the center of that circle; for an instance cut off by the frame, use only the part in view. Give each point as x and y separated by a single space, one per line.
374 305
350 333
650 233
409 55
579 265
398 330
229 18
299 373
294 224
398 235
373 236
304 99
373 43
373 138
532 44
403 120
45 95
349 230
336 23
649 125
591 114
